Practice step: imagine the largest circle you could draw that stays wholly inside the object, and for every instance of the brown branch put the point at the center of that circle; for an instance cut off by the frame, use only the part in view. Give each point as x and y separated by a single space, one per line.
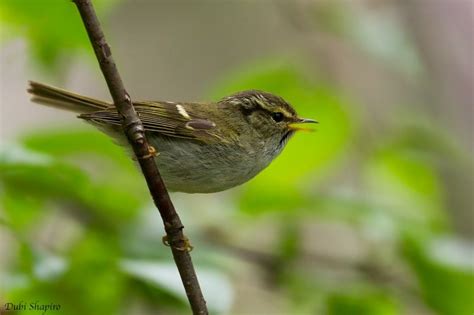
135 133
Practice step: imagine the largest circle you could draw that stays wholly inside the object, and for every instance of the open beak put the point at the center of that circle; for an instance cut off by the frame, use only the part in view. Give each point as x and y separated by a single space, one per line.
302 121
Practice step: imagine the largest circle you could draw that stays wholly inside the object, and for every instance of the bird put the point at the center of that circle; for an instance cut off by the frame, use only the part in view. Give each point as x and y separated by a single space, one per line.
203 147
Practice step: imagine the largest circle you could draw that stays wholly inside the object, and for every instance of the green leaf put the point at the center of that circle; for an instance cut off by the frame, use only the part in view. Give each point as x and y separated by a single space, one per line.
44 178
96 153
23 211
445 271
362 303
86 281
53 28
165 275
94 260
65 142
404 181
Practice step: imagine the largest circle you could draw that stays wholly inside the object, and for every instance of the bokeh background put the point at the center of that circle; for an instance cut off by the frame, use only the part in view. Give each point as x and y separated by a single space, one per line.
370 214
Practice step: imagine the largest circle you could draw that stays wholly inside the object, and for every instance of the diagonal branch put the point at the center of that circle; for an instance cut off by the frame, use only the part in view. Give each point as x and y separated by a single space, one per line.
135 133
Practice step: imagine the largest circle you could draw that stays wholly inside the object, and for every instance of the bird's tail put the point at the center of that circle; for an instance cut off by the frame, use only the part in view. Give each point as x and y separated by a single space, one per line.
58 98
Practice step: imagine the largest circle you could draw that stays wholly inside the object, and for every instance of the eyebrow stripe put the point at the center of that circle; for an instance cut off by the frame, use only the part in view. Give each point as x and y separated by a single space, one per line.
259 101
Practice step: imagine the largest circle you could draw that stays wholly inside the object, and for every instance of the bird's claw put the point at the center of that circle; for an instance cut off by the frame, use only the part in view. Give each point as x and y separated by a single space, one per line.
151 153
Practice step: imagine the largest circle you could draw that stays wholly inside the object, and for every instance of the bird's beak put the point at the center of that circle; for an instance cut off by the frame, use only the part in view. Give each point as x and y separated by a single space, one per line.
306 121
302 121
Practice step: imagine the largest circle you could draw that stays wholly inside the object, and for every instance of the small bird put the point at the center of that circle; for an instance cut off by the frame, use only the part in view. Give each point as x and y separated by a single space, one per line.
203 147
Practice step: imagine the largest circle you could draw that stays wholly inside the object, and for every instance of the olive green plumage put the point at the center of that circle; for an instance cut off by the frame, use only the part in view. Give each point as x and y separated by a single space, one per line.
203 147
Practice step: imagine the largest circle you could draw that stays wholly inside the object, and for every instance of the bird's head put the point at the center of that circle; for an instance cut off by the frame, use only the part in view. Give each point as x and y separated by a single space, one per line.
269 115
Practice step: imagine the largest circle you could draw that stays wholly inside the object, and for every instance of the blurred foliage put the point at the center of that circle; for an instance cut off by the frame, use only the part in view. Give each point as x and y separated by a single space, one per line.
75 203
94 184
51 27
402 178
362 303
447 281
378 35
86 237
310 154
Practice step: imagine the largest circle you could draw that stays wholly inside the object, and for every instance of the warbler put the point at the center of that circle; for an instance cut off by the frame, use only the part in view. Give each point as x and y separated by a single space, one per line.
203 147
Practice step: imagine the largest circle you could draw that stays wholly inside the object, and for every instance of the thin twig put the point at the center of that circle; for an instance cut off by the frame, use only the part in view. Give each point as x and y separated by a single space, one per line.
135 133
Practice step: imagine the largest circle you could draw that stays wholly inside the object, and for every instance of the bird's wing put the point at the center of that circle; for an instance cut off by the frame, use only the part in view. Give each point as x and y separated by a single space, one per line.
180 120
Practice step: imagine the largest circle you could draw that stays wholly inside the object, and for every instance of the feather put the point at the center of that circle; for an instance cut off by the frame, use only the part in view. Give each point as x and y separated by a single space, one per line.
166 118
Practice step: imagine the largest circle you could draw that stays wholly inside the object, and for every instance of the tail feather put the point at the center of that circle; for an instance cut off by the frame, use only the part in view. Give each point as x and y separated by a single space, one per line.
62 99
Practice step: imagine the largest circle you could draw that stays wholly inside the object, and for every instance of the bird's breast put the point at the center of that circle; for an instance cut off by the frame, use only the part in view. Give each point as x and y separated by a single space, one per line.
195 167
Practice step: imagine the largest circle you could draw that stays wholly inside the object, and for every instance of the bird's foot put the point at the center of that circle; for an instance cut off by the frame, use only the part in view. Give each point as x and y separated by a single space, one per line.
151 153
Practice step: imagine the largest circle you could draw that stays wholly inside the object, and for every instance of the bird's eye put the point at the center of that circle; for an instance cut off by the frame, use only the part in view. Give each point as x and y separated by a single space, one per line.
277 116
